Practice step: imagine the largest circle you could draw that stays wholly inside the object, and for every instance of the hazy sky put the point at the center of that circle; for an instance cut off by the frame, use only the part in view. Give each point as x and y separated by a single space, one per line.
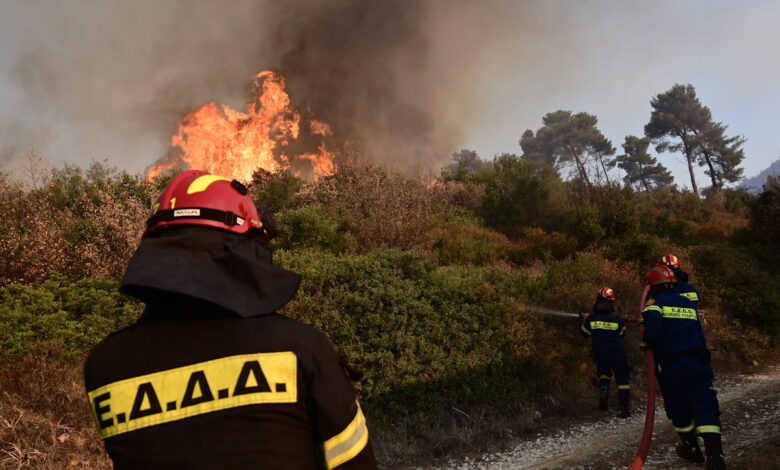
93 80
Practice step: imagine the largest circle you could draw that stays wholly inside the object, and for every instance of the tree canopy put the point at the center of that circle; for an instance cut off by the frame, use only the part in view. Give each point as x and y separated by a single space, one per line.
642 169
464 162
679 122
568 139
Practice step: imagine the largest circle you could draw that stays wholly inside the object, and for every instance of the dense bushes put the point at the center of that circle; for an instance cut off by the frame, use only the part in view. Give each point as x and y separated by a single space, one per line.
731 276
69 316
77 223
429 288
405 320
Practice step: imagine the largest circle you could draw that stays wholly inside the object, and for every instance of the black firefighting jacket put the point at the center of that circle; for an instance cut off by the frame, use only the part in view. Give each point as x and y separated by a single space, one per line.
196 385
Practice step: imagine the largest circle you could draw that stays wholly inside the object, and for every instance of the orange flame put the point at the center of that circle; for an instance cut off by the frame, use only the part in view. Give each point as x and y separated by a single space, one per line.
227 142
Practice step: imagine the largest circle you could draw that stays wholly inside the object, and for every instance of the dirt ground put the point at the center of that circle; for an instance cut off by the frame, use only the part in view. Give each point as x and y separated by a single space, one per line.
750 407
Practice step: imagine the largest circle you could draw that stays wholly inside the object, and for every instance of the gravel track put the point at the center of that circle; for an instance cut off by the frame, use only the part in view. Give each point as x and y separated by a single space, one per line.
750 407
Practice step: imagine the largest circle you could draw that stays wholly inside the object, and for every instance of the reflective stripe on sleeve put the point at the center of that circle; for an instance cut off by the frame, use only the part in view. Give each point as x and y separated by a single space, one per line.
348 443
692 296
605 376
686 428
653 308
708 430
585 329
624 387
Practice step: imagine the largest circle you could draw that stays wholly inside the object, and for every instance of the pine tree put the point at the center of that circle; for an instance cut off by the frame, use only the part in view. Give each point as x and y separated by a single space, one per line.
642 170
678 114
568 139
721 154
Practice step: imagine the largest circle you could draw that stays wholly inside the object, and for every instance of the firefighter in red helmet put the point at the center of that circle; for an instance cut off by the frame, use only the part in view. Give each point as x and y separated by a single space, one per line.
673 329
210 377
606 329
685 289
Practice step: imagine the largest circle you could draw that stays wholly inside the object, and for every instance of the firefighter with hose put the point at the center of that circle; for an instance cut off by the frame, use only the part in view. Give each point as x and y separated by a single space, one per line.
673 330
606 329
210 376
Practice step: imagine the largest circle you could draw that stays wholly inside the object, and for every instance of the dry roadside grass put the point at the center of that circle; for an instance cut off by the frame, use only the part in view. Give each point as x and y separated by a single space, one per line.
45 422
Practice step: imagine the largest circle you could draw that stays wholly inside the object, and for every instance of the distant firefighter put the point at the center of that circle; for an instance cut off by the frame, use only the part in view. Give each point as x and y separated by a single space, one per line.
211 377
672 328
606 328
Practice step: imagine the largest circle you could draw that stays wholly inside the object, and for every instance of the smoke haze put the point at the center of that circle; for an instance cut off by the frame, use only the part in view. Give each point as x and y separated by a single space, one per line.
111 80
411 80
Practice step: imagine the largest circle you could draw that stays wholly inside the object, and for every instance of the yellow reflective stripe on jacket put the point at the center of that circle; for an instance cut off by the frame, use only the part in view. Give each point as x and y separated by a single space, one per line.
708 429
688 428
196 389
585 329
655 308
605 376
603 325
348 443
692 296
679 313
624 387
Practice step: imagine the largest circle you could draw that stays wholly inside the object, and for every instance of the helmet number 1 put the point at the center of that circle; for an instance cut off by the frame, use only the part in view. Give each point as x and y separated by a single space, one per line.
173 203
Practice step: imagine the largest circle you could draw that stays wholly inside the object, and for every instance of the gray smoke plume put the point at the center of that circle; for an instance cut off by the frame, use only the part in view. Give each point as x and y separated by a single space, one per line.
110 80
359 65
411 80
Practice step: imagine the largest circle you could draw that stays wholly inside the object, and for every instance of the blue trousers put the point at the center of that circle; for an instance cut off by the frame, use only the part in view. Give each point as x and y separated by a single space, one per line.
690 400
622 373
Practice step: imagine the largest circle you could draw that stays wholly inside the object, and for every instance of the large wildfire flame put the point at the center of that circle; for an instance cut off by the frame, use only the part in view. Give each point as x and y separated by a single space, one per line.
269 135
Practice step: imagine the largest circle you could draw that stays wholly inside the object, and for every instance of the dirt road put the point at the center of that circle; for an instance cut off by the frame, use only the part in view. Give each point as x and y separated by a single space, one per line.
750 407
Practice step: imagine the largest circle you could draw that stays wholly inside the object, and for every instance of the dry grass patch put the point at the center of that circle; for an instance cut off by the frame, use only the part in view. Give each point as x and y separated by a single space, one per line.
45 421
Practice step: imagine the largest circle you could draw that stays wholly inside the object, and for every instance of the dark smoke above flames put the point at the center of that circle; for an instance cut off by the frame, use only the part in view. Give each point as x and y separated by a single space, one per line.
113 80
347 62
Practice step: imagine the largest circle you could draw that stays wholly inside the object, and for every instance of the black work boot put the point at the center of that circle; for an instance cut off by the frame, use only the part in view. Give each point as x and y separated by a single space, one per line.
625 409
689 449
714 451
603 396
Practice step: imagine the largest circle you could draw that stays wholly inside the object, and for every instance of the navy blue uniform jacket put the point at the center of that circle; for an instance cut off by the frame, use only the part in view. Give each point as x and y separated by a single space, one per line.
672 322
607 331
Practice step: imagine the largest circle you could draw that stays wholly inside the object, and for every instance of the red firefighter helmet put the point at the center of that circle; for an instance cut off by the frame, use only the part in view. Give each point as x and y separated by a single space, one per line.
196 197
660 275
607 293
671 261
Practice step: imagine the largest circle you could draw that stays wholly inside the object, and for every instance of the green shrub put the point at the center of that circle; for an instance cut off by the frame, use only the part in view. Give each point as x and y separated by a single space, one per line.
585 225
463 242
732 276
765 217
519 193
537 245
58 312
406 321
278 191
309 227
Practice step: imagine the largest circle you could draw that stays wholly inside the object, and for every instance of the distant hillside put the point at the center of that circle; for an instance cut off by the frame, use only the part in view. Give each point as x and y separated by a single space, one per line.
756 183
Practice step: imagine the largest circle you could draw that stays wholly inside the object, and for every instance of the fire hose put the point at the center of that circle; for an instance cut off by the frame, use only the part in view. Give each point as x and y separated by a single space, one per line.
647 434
